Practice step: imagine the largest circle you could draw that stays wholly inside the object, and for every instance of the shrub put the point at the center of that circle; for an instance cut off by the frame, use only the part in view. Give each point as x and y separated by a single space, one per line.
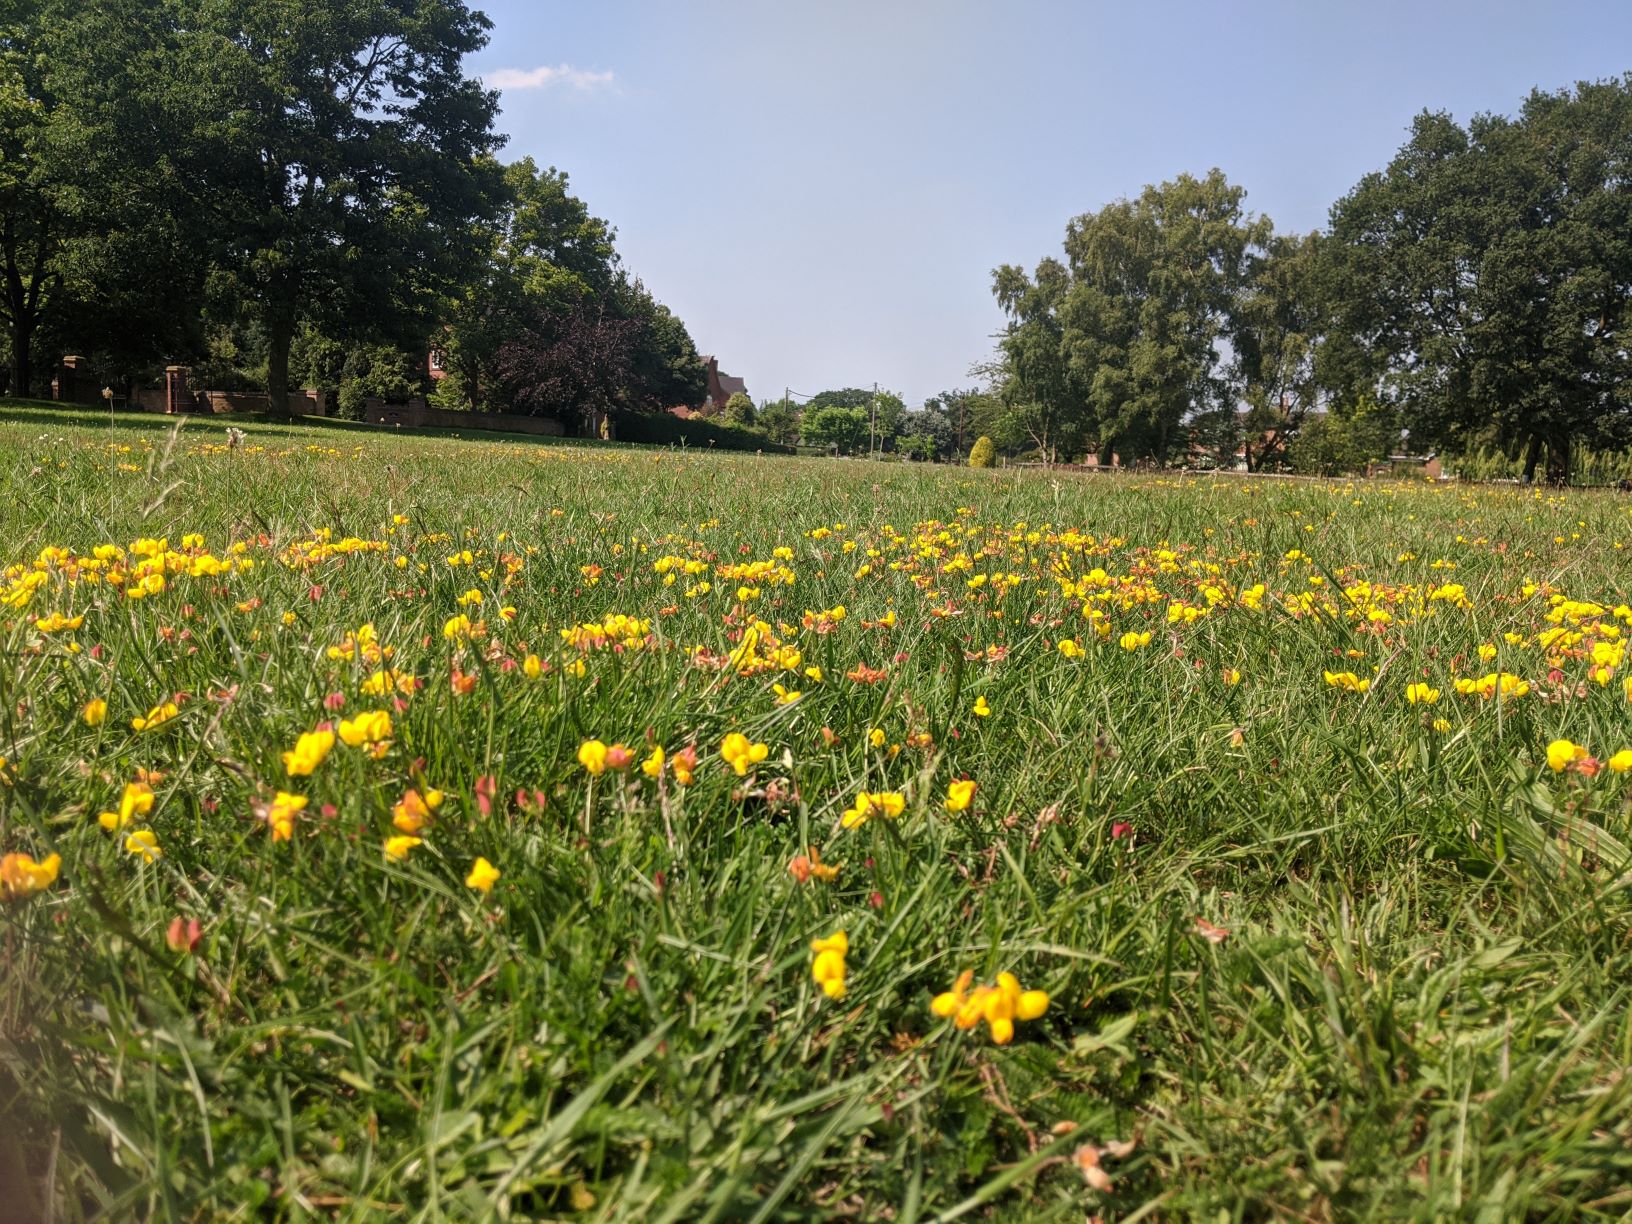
351 400
669 430
982 454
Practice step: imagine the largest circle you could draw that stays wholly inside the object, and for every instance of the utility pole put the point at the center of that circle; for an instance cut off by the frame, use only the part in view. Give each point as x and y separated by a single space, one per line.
872 424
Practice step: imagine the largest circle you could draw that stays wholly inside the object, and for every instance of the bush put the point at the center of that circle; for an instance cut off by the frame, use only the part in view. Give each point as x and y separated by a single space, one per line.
842 428
352 399
982 454
668 430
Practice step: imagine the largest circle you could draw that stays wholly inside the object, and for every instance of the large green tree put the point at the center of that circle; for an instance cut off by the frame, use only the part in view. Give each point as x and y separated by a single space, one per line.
541 250
1040 398
1278 325
33 222
1122 343
96 248
340 155
835 425
1488 272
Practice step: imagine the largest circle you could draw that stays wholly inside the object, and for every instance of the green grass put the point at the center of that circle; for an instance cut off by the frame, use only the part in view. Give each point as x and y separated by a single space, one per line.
1419 1010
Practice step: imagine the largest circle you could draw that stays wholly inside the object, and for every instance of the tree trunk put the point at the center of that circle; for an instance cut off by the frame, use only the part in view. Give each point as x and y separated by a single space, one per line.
1558 461
280 335
22 359
1532 456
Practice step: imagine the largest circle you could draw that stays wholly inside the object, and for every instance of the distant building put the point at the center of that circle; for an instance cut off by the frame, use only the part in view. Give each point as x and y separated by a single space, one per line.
721 387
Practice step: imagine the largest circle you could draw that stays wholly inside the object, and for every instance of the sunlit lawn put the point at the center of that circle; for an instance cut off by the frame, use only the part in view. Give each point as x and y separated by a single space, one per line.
1311 949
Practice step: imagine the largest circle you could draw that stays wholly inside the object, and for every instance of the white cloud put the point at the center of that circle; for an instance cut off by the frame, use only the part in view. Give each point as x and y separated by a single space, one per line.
545 77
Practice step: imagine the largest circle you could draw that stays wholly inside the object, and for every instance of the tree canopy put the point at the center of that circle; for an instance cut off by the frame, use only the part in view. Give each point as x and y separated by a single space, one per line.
273 192
1476 291
1486 275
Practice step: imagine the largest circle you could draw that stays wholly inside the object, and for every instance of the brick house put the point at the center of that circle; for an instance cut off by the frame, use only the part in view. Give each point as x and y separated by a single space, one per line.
721 387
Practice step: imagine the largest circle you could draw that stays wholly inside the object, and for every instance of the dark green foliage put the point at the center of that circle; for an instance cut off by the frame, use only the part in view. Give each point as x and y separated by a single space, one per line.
834 427
779 419
1344 440
1119 344
335 156
662 427
1486 275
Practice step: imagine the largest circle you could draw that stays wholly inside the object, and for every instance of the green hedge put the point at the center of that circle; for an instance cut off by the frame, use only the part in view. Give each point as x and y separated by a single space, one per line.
669 430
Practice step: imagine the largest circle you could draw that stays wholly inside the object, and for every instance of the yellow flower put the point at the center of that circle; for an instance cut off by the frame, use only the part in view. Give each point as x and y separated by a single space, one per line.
1442 725
1069 648
532 667
1621 761
982 710
1000 1005
959 795
868 804
22 876
785 696
740 754
1421 694
309 752
1487 652
281 813
94 711
143 842
370 729
397 848
1495 684
483 875
828 965
1134 641
414 811
592 756
1561 754
472 596
156 717
1232 677
458 627
877 738
1347 681
137 800
381 682
652 766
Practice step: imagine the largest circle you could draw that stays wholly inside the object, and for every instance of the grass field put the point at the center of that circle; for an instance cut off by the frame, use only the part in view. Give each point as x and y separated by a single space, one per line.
1311 949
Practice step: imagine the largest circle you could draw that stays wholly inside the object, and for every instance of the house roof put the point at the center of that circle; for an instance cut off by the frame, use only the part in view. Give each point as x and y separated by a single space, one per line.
730 385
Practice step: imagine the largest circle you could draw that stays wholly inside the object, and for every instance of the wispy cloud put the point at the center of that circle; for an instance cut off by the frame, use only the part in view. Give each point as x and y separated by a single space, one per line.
546 77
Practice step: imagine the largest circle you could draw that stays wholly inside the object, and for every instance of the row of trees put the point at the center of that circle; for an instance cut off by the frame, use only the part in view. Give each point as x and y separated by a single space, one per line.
303 193
856 421
1475 292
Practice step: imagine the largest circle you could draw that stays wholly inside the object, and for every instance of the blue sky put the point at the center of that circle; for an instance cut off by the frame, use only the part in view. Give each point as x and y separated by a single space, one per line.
821 190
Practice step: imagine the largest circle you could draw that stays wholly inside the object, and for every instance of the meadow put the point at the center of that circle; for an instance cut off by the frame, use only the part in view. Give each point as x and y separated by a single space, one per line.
447 829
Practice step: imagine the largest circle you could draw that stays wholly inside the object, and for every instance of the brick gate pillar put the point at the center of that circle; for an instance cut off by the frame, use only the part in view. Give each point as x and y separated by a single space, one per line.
177 397
67 379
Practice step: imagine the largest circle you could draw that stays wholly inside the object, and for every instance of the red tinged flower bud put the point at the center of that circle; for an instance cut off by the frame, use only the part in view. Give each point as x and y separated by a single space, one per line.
183 935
